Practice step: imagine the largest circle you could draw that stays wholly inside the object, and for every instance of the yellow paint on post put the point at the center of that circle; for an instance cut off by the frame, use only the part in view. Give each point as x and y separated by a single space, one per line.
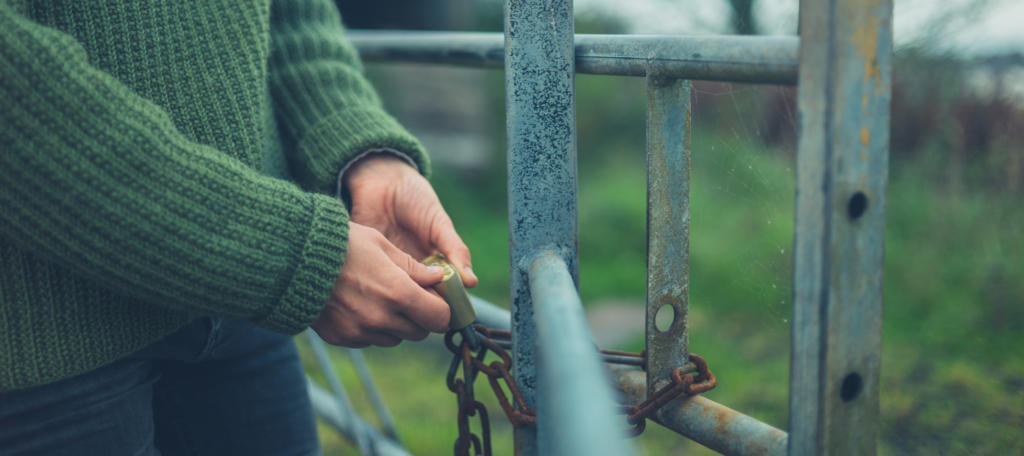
865 40
865 136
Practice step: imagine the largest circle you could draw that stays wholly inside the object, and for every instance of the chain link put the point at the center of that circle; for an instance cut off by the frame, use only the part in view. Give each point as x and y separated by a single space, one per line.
683 382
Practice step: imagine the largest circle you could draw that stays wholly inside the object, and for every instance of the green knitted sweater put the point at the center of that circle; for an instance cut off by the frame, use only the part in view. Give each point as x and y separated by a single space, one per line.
166 159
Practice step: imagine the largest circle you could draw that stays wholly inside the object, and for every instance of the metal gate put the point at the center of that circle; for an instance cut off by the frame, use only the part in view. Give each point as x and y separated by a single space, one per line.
841 63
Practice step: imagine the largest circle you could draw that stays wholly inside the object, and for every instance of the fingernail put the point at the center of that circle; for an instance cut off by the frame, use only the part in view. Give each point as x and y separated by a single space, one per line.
435 270
469 271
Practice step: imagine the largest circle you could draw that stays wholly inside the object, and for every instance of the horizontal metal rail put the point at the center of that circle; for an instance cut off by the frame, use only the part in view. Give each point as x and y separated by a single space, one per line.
575 403
705 421
491 315
701 419
754 59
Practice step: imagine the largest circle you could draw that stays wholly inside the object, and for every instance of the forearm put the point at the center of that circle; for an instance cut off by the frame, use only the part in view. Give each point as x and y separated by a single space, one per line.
95 177
328 111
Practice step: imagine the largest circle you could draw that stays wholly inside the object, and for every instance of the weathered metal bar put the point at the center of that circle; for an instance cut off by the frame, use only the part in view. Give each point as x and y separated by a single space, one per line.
576 410
668 226
541 133
387 422
490 315
705 421
351 426
757 59
605 357
842 167
342 402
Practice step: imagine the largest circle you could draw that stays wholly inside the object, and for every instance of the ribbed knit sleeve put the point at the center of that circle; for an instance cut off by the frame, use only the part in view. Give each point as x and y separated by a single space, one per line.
328 111
97 178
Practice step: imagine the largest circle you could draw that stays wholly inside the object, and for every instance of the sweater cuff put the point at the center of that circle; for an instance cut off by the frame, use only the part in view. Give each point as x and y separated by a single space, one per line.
336 140
342 192
322 256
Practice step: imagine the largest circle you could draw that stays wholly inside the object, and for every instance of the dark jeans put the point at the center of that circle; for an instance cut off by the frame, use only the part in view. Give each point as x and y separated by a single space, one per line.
215 387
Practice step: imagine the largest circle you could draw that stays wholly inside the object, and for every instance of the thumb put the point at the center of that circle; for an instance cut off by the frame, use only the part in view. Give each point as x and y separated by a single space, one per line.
420 273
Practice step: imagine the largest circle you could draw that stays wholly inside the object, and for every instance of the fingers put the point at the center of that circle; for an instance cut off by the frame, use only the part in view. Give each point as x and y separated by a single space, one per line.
381 339
401 327
375 300
425 308
420 273
451 245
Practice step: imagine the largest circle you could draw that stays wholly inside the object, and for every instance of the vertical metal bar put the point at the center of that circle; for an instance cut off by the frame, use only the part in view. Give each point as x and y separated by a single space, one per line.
668 225
387 422
541 122
576 408
842 167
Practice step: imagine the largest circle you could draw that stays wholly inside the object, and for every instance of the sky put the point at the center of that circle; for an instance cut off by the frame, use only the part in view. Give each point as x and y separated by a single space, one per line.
963 27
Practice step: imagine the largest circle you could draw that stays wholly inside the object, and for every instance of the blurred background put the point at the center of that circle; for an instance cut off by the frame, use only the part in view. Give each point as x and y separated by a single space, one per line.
952 369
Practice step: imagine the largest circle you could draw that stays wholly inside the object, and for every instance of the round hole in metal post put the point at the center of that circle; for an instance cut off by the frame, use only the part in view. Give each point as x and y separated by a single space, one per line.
857 205
851 387
665 317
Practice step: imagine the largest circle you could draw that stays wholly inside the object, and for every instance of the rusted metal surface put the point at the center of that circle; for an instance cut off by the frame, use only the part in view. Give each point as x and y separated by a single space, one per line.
705 421
576 410
757 59
540 110
683 383
494 341
471 359
842 157
668 225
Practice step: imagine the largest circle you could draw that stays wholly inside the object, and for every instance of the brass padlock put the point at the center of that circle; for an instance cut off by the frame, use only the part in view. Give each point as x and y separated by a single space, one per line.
453 292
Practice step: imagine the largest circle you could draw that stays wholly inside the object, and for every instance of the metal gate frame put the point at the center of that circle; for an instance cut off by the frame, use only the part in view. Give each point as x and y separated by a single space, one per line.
841 63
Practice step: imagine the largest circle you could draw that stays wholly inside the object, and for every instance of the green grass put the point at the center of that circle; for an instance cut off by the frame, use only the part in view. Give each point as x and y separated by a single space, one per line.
952 370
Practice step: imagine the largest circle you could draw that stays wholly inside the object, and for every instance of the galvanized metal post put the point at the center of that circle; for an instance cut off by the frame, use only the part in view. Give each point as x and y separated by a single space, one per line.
842 162
541 122
668 225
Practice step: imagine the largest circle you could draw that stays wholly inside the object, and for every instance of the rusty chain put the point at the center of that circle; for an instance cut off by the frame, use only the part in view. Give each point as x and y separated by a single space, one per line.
683 382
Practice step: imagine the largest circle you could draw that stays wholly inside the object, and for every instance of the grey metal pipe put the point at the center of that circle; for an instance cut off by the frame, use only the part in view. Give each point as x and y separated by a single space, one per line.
755 59
350 425
576 404
387 422
491 315
341 400
705 421
668 226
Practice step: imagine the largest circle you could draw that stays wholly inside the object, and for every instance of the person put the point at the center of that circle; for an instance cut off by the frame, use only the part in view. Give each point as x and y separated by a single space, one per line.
169 175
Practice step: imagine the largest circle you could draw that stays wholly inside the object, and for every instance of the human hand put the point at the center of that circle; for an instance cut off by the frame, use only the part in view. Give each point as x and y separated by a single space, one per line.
378 298
391 196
